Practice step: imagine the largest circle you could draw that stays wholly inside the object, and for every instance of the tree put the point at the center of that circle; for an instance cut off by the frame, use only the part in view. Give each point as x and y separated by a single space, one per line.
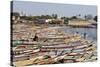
88 17
45 17
54 16
73 17
79 15
27 17
95 18
15 14
66 19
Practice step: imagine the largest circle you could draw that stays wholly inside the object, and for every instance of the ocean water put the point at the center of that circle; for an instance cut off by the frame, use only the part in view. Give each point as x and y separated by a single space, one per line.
91 33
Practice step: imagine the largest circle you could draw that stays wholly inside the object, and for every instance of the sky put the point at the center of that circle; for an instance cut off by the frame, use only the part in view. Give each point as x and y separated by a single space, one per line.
37 8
